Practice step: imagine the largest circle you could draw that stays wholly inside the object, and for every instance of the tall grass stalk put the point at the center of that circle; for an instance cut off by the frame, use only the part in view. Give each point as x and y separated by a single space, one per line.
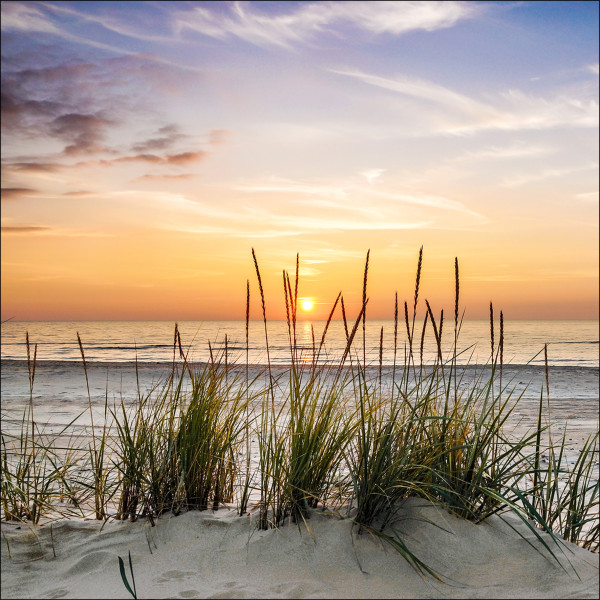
245 491
328 433
97 451
32 471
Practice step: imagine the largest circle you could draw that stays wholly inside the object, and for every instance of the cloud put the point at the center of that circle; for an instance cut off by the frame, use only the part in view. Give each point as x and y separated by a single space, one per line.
518 150
118 22
588 196
526 111
83 131
32 167
148 158
372 174
65 103
511 111
167 177
53 231
424 90
304 22
24 229
18 113
256 23
181 158
25 17
218 136
185 157
277 184
401 17
83 104
40 167
518 180
166 137
77 193
348 206
17 192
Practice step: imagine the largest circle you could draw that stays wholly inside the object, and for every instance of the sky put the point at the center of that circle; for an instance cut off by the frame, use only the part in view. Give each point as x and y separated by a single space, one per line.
149 147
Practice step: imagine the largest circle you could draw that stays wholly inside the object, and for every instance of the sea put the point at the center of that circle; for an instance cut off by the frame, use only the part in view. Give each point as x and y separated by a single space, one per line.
569 343
123 357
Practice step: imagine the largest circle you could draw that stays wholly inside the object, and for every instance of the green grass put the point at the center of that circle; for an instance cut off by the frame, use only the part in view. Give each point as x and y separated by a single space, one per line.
331 438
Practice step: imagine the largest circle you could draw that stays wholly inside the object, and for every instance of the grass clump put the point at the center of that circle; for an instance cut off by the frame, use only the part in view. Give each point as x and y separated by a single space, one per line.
328 434
178 446
31 466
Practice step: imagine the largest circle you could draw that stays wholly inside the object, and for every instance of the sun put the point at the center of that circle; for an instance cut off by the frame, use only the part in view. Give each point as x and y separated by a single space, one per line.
307 304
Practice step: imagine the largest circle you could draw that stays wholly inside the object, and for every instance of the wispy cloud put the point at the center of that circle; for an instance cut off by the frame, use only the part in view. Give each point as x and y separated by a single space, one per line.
303 23
77 193
552 274
347 206
181 158
24 229
116 22
256 23
517 150
595 68
16 192
588 196
166 177
509 111
25 17
424 90
31 167
372 175
54 231
282 185
216 137
518 180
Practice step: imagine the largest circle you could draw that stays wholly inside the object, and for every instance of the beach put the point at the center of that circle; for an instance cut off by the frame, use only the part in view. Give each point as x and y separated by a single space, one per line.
60 392
221 555
325 554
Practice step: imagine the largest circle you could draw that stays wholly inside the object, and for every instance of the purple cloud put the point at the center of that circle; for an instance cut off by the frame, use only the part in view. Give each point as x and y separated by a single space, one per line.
16 192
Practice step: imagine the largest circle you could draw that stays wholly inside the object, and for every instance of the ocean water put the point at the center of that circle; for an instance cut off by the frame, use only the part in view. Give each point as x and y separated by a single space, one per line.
113 350
570 343
126 358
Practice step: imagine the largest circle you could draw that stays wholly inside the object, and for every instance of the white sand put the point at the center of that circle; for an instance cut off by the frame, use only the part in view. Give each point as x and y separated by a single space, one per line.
221 555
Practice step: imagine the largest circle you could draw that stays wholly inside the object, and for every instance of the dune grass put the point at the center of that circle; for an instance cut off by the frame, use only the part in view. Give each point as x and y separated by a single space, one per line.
334 437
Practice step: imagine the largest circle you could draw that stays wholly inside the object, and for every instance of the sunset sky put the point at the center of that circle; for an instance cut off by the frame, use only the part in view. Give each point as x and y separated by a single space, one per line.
147 147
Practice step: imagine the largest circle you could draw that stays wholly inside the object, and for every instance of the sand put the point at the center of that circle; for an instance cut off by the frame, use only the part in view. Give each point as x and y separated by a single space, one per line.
221 555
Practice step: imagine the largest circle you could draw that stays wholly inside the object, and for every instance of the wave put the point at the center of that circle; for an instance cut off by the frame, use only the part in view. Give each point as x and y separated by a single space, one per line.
168 364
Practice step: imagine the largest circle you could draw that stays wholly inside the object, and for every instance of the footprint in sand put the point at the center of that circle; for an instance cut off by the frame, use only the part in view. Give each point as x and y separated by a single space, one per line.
94 561
174 574
229 590
57 593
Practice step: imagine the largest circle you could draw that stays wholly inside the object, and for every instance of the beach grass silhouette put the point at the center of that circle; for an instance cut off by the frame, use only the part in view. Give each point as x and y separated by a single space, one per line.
337 438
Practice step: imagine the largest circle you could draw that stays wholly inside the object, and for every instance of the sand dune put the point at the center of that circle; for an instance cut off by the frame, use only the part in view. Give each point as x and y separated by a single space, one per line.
221 555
